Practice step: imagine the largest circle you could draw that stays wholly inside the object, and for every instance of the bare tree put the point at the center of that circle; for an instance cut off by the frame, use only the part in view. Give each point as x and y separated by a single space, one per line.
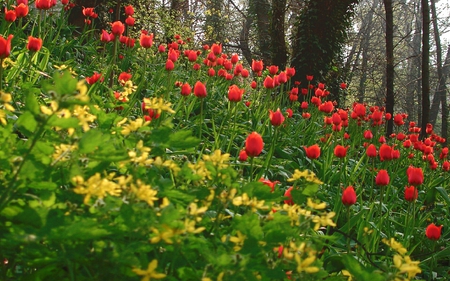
389 63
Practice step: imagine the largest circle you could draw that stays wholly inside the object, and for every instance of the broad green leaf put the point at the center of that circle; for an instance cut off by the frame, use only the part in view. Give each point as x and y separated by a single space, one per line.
27 122
443 193
90 141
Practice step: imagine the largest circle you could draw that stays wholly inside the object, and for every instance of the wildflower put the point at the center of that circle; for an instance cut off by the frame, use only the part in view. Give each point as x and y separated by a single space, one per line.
129 10
145 193
433 232
305 264
371 151
340 151
238 240
10 16
94 78
150 272
21 10
219 160
276 118
169 65
243 155
268 83
95 186
235 94
254 144
5 46
411 193
146 41
313 151
44 4
386 152
158 105
186 89
382 178
349 196
200 90
415 175
306 174
133 126
62 152
287 194
117 28
257 66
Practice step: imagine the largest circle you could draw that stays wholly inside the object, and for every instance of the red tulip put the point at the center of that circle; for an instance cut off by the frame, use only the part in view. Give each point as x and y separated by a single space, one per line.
5 46
216 49
371 151
106 37
287 194
200 90
309 77
326 107
243 155
340 151
290 71
186 89
124 77
433 232
269 183
117 28
129 10
169 65
94 78
349 196
289 112
312 152
273 69
10 15
21 10
368 135
276 118
146 41
130 21
254 144
386 152
257 66
343 86
382 178
34 44
235 94
411 193
269 83
45 4
398 119
415 175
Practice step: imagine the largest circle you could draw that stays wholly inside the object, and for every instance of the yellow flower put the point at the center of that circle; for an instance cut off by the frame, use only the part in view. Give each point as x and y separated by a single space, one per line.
158 105
81 112
200 169
150 272
195 211
304 265
396 246
132 126
307 175
166 235
238 240
145 192
6 99
82 91
218 159
3 117
190 226
348 274
316 206
324 220
62 152
95 186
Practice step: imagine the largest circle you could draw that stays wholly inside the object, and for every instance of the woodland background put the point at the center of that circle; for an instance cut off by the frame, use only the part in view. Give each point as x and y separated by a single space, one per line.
390 53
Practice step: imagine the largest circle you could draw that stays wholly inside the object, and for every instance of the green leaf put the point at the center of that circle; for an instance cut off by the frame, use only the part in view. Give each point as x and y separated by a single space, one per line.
64 123
443 193
27 122
86 229
31 102
183 140
43 185
90 141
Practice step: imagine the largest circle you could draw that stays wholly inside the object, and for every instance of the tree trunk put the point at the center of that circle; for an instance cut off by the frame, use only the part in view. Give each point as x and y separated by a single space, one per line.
261 10
243 40
413 76
278 41
425 67
367 30
389 64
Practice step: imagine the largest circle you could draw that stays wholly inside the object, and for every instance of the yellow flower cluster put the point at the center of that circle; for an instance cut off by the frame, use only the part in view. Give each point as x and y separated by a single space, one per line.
407 268
306 174
303 256
144 192
253 203
128 89
95 186
132 126
219 160
158 105
149 273
140 155
296 213
62 152
200 169
5 100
